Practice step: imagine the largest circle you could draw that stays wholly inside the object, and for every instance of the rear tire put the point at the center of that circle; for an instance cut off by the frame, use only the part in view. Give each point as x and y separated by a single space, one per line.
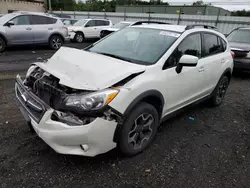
138 130
2 45
55 42
79 37
219 92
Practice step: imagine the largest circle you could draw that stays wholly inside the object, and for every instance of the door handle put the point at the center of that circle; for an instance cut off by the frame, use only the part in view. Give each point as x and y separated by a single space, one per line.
223 61
28 28
50 28
201 69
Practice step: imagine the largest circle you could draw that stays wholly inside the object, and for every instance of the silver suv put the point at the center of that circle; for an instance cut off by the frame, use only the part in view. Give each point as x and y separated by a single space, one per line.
21 28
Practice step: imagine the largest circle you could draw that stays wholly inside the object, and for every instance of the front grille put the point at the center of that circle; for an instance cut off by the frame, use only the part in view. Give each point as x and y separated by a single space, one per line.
30 102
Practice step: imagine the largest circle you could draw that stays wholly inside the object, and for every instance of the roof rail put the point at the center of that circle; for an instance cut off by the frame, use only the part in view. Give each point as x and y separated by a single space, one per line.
200 25
149 22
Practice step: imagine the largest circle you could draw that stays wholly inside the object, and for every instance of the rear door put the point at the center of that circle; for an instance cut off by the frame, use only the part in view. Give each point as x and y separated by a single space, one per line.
42 27
21 32
100 25
214 58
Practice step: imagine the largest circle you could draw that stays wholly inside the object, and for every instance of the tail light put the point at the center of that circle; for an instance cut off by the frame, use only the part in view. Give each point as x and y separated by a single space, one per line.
233 54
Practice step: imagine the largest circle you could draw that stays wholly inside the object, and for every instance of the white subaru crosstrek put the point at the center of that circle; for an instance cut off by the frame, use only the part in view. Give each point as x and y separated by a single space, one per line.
116 92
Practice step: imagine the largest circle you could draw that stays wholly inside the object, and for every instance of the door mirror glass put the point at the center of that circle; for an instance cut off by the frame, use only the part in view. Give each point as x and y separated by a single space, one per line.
188 61
10 23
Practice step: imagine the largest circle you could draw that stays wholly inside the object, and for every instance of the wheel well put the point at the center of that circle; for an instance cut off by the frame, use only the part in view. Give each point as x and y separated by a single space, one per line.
228 75
3 37
56 34
155 102
80 32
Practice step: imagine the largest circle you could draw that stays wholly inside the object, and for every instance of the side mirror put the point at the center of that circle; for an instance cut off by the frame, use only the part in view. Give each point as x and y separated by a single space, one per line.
186 61
10 23
226 35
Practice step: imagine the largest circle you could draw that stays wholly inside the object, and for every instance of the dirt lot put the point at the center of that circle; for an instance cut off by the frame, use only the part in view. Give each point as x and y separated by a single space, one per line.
213 150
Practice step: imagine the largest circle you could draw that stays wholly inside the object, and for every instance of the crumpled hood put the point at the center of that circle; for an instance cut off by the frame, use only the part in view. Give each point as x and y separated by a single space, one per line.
111 29
74 28
239 46
84 70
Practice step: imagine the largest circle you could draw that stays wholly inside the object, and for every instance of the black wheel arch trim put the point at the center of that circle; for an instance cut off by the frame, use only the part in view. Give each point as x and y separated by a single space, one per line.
137 100
4 38
57 34
228 70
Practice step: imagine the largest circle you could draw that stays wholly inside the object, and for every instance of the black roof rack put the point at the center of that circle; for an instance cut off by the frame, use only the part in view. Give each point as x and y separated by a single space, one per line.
200 25
149 22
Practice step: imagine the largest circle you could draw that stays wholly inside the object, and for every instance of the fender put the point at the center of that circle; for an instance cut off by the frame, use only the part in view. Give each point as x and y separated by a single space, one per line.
137 100
56 33
4 38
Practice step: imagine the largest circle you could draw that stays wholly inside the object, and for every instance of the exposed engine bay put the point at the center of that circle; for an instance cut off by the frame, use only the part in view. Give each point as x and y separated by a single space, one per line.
47 88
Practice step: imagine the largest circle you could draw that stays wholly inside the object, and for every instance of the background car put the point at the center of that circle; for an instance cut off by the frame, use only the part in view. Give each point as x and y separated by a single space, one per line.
124 24
22 28
88 28
239 40
68 21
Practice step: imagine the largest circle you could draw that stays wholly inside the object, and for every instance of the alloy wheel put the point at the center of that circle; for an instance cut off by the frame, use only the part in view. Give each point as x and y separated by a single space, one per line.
56 43
141 131
79 38
221 92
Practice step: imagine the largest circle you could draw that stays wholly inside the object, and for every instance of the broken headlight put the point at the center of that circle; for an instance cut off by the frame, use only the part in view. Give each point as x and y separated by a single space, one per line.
93 101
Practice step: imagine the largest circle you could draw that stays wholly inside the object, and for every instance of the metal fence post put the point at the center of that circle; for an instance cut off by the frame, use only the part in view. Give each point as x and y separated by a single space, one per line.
179 18
74 15
88 14
218 17
124 14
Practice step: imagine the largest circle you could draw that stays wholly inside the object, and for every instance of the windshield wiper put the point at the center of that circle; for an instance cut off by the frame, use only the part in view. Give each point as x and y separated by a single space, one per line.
115 56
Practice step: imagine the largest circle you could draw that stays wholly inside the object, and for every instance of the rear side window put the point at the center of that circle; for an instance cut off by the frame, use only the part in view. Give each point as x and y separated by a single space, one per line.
212 45
102 22
42 20
191 45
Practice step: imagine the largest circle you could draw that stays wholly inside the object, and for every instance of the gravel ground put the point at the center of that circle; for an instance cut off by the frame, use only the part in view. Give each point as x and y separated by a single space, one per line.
213 150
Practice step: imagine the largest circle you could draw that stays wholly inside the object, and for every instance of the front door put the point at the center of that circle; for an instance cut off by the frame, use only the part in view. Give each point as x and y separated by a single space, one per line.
186 87
21 32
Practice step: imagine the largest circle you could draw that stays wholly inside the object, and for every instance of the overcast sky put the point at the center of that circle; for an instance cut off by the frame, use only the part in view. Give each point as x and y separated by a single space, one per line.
227 4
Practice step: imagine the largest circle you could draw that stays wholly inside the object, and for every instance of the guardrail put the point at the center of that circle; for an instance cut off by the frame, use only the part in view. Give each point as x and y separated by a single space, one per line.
225 24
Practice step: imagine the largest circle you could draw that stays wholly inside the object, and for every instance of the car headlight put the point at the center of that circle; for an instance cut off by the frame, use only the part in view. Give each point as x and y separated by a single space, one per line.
93 101
30 70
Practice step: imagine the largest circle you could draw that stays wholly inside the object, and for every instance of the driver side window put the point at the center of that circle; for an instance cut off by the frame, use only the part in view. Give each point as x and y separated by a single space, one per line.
191 45
91 23
21 20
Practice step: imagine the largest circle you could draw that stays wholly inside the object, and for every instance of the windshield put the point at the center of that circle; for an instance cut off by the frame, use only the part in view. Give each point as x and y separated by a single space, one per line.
241 36
120 25
80 22
5 18
136 45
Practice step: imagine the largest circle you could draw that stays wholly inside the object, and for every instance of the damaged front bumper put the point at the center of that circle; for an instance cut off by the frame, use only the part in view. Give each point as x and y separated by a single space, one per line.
90 139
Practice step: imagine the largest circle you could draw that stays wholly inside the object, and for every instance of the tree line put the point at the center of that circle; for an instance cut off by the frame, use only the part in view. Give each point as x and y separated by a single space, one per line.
109 6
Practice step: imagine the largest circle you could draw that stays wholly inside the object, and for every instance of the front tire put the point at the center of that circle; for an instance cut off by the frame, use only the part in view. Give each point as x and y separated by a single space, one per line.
139 129
55 42
219 93
2 45
79 37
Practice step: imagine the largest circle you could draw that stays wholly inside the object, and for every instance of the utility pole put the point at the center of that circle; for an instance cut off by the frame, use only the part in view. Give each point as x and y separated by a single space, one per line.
49 5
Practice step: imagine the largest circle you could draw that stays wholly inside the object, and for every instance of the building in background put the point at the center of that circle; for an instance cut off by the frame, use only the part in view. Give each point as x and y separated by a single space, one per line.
163 9
8 6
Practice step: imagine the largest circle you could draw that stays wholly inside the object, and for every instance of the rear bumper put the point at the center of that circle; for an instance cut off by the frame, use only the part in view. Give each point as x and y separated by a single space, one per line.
242 64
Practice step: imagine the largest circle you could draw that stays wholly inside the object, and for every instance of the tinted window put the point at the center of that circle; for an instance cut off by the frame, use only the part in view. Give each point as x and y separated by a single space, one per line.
190 46
224 44
212 45
102 22
21 20
241 36
42 20
91 23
